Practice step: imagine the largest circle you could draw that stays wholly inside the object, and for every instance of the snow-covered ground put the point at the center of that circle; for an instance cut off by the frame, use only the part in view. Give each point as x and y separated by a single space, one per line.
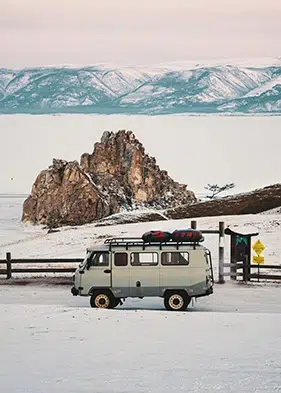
54 342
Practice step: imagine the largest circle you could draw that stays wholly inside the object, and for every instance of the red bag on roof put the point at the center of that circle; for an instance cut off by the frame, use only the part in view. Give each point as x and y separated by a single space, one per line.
187 235
156 236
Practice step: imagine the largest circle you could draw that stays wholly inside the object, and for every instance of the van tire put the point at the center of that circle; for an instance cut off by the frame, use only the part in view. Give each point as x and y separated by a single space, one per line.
102 299
176 301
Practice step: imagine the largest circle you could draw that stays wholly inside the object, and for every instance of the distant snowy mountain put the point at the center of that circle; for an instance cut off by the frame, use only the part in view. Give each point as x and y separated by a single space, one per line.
217 87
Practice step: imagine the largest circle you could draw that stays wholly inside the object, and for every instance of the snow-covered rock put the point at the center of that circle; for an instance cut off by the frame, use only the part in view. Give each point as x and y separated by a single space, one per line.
117 176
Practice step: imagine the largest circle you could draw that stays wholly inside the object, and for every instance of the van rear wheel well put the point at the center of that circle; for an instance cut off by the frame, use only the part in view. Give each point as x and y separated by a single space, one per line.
181 291
176 299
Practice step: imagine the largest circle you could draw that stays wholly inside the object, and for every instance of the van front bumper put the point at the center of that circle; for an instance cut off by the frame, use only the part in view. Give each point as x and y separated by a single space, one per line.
74 291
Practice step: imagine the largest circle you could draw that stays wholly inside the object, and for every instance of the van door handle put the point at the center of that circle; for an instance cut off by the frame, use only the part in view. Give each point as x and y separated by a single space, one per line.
107 271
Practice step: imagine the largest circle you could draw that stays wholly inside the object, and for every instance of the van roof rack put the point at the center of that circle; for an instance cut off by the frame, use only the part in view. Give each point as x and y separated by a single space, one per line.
138 242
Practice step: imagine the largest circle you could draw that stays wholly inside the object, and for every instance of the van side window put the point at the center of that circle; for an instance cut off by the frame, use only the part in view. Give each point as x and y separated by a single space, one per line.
175 258
144 258
120 259
99 259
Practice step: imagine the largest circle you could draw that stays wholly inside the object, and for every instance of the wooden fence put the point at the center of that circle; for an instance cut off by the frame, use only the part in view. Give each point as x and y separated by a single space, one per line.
246 273
240 270
64 265
37 265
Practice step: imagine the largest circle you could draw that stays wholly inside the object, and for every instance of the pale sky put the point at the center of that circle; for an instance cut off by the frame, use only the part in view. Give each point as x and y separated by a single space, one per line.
53 32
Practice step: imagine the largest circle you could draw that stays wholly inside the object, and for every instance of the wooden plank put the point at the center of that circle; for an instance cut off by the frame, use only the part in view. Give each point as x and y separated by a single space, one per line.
210 231
44 270
43 260
277 267
266 276
9 265
221 252
237 265
232 274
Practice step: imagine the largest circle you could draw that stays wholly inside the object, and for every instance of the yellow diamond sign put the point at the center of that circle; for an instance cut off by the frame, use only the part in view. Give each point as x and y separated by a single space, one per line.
258 247
259 260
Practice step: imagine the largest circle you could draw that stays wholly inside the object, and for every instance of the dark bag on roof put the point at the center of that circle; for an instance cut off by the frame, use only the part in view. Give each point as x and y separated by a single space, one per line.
156 236
187 235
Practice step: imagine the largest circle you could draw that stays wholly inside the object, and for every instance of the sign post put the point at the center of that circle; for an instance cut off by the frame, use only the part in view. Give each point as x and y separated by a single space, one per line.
258 247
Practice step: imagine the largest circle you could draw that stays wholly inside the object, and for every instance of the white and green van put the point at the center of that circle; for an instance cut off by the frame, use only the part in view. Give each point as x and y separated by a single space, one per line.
128 267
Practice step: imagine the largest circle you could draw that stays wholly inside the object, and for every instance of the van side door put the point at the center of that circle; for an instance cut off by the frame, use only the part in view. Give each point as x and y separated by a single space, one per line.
144 274
121 273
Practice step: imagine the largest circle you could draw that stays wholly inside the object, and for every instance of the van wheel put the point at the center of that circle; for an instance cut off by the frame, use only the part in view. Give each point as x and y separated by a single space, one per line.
102 300
176 301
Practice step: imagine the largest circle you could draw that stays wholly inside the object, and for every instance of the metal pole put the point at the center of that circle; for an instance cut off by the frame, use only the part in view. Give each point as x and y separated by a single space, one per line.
221 252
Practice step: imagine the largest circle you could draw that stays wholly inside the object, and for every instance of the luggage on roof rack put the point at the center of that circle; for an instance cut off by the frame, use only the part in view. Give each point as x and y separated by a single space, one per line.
187 235
156 237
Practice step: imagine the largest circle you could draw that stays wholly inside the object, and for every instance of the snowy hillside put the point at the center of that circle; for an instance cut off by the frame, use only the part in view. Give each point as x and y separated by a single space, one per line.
173 88
34 242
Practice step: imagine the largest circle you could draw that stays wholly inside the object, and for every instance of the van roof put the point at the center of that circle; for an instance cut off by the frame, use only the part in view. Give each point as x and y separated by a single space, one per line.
137 243
99 247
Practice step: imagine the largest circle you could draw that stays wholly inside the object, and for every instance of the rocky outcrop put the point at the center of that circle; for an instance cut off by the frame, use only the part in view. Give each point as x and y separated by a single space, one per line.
249 203
119 164
64 194
117 176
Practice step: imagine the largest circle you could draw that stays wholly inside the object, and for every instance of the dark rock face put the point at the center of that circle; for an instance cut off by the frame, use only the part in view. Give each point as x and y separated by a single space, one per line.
249 203
117 175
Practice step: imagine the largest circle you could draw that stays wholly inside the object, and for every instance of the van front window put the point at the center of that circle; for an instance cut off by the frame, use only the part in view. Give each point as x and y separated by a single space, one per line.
99 259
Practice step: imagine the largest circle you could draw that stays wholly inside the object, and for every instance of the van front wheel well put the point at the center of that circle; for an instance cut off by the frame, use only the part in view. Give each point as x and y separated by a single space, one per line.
103 298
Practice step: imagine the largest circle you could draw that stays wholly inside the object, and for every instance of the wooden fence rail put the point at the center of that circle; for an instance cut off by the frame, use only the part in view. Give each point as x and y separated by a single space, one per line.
12 265
239 270
247 271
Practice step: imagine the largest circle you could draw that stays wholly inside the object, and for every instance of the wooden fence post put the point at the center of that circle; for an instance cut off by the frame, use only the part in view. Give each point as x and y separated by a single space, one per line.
9 265
233 269
221 252
193 224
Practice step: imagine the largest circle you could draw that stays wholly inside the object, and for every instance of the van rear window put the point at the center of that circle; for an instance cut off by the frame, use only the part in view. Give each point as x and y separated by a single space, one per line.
174 258
144 258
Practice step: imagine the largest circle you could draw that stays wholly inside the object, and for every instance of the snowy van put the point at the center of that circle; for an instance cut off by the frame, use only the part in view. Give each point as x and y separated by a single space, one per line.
128 267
